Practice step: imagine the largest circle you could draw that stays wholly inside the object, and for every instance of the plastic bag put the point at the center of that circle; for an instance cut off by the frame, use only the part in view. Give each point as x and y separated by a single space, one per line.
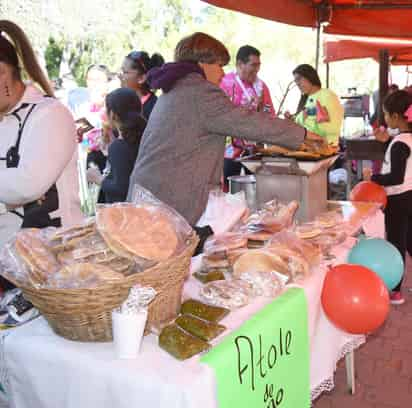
203 311
12 267
28 259
138 300
306 249
218 246
143 197
230 294
329 238
181 344
82 276
93 249
143 230
200 328
278 258
223 211
267 284
329 219
273 217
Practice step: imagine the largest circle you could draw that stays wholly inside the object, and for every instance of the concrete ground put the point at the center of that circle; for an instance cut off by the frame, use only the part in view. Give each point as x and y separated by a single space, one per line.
383 364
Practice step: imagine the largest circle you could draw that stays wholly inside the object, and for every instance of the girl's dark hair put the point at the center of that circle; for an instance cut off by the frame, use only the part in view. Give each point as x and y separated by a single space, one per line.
308 72
125 103
16 51
398 102
143 63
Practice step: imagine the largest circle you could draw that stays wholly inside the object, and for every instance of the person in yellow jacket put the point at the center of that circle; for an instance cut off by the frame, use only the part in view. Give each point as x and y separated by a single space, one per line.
319 109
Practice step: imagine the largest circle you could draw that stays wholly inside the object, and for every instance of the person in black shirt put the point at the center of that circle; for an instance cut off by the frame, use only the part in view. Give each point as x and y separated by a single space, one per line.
123 110
133 75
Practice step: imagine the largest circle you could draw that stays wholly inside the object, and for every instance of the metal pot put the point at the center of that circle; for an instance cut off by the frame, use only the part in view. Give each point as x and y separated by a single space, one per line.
247 184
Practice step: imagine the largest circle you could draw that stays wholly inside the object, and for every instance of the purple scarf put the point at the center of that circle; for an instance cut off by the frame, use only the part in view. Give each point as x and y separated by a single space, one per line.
167 75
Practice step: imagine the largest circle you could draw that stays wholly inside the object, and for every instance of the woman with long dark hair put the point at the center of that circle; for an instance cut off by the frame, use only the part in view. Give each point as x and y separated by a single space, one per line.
133 75
38 171
122 107
319 109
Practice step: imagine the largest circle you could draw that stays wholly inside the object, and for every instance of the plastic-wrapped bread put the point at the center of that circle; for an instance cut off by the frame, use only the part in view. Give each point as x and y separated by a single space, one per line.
260 260
205 312
217 246
230 294
267 284
181 344
39 258
146 232
303 247
83 275
200 328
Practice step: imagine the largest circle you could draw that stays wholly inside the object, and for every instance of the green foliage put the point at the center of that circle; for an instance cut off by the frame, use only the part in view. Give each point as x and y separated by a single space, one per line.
53 56
73 34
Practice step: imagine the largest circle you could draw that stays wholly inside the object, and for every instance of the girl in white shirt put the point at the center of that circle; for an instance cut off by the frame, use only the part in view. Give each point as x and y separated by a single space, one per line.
396 177
38 173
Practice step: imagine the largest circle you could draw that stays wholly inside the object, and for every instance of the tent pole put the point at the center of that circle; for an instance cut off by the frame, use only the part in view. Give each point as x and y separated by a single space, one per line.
383 82
327 75
318 45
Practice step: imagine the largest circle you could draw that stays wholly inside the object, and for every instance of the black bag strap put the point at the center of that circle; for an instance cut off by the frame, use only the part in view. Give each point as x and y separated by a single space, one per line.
22 124
12 155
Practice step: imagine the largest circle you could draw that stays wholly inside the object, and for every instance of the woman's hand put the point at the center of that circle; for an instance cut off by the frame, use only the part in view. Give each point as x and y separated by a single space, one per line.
381 134
289 116
94 176
367 173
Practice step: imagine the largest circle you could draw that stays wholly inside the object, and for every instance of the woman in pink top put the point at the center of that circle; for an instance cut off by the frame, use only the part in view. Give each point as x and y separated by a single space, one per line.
244 88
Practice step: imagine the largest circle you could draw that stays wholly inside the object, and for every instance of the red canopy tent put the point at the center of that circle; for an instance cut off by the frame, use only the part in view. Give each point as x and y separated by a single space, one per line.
374 18
338 49
348 17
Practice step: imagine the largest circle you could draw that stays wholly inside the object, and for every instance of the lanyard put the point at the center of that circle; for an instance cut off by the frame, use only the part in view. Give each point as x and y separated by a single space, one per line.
244 90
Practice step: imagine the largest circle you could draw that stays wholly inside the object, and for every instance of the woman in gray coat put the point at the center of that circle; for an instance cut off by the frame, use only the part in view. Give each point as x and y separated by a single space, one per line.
181 153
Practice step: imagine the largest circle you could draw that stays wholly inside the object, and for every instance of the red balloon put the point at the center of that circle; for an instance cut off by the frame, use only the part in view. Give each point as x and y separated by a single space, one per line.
368 191
355 299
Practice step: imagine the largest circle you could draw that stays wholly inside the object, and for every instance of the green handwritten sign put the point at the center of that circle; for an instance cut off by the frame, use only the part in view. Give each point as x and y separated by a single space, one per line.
265 363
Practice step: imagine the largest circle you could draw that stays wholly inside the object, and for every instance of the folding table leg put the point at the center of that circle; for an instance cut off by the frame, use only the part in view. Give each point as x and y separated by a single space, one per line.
349 178
359 168
350 371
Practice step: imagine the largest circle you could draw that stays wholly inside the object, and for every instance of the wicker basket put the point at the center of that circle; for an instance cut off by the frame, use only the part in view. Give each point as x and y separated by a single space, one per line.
85 314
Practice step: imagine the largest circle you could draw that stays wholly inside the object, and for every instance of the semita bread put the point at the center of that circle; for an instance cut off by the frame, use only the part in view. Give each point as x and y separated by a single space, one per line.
145 232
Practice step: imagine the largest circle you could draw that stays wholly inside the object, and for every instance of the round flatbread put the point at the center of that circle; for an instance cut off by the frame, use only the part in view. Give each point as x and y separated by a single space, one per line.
84 275
307 231
259 260
142 231
36 255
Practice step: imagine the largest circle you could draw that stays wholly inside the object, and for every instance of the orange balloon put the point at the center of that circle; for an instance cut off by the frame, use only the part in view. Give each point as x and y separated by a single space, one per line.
355 299
368 191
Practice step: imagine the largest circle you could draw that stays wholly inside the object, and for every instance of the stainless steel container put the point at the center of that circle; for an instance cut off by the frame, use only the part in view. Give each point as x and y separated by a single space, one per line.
246 184
283 179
